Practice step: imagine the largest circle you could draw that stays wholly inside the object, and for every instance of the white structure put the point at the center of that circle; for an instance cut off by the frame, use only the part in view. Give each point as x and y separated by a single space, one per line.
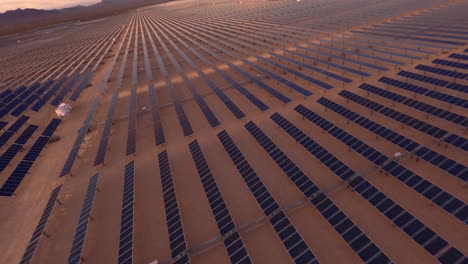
397 155
63 110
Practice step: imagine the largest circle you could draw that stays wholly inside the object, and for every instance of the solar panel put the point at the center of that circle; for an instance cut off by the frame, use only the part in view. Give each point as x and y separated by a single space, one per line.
18 124
453 139
132 117
27 133
261 84
222 96
159 138
298 74
9 155
36 149
254 100
177 242
452 167
298 250
37 106
427 108
459 65
79 139
58 99
15 178
209 115
126 222
313 68
76 250
436 245
454 74
278 78
41 224
183 120
363 246
51 127
450 203
102 149
81 86
232 240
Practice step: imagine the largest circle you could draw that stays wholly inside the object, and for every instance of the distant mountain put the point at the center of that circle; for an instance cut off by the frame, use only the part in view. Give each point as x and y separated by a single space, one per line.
15 16
26 19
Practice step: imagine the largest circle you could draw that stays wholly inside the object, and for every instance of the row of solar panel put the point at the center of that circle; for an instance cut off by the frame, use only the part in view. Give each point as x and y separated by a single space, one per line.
355 238
450 166
10 131
126 222
16 177
344 58
438 133
79 139
427 108
407 37
159 138
451 99
209 115
183 120
292 240
451 85
132 116
459 65
454 74
232 241
416 32
76 250
40 227
222 96
458 56
409 224
432 192
16 147
102 148
174 221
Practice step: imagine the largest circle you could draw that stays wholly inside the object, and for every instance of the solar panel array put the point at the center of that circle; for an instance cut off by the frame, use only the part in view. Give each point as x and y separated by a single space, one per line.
76 251
420 233
79 140
159 138
127 218
232 240
174 221
450 166
39 231
132 117
102 149
431 130
356 239
16 147
278 195
16 177
432 192
292 240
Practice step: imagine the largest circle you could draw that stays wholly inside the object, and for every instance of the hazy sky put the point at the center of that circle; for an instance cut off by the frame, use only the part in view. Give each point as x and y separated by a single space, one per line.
42 4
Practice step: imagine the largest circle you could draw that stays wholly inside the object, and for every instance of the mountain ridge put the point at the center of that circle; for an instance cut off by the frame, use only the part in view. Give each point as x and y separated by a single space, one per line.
19 20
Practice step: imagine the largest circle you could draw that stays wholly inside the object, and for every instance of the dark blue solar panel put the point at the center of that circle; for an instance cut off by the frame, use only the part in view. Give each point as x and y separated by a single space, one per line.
393 168
82 226
218 207
126 222
369 192
37 235
331 212
51 127
278 219
174 221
